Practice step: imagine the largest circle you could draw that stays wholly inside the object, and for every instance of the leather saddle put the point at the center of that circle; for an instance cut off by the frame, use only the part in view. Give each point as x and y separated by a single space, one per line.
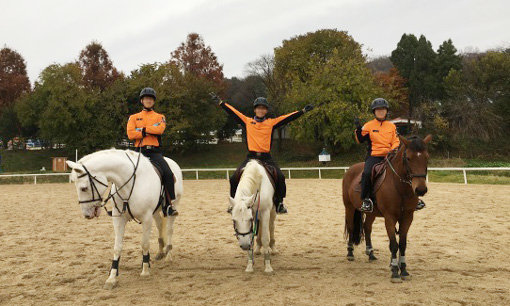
377 178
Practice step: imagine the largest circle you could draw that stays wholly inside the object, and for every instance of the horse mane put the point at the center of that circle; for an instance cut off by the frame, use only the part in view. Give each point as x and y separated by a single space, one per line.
416 144
250 180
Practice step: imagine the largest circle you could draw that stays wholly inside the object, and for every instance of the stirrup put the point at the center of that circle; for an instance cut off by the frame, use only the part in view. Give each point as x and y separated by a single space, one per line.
281 209
170 211
367 202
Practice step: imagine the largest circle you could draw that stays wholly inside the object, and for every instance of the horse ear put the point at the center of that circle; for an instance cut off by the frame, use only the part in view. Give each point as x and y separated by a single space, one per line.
427 139
76 167
403 140
232 201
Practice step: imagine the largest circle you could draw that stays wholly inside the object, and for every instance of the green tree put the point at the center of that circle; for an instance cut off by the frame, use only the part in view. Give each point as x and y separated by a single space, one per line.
325 68
447 59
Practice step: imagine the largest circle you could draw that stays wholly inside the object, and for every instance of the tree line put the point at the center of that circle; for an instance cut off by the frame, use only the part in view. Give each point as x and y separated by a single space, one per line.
462 98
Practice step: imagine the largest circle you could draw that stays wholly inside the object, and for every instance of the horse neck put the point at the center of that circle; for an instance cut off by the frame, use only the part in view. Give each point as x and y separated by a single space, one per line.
115 166
398 162
249 183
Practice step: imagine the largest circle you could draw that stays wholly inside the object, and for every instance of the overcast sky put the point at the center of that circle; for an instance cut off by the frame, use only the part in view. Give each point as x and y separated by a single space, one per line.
137 32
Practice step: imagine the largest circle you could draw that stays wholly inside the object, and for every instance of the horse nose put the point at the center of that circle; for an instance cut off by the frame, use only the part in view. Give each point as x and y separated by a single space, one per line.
245 247
420 191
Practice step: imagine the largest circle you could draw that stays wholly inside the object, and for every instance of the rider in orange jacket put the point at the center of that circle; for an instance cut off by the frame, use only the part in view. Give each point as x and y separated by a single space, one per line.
146 128
259 132
382 138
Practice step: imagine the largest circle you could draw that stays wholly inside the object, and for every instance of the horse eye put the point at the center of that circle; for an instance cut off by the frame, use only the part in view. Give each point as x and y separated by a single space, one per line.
84 189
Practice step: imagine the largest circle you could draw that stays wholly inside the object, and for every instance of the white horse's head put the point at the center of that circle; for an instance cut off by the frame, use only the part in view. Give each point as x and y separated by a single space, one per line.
242 217
90 189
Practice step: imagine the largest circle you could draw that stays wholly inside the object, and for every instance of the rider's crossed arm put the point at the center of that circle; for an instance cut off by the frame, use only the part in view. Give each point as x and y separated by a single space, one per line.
157 128
132 132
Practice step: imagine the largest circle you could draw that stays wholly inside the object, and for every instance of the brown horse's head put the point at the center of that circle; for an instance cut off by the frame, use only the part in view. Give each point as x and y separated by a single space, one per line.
415 159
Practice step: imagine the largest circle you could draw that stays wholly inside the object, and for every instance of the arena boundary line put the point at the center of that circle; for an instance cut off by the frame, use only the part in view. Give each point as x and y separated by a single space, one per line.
287 169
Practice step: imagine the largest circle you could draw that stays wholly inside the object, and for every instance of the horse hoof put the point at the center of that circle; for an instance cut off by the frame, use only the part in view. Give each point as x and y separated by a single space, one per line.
110 285
257 251
350 258
168 257
274 252
372 257
160 256
396 279
145 274
406 277
268 270
249 269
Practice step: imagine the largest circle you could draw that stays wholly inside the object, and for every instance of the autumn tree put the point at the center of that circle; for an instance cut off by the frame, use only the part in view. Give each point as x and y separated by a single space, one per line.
97 68
194 57
14 82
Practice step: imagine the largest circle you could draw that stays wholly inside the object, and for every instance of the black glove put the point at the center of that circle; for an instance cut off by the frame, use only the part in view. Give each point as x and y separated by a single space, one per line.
357 124
215 98
144 133
308 108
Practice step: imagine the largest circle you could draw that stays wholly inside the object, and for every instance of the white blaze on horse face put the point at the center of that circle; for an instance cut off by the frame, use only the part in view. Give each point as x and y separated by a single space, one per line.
242 217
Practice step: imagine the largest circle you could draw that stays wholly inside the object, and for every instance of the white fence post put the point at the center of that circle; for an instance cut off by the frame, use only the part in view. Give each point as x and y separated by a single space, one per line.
289 175
196 172
227 175
320 176
465 176
35 179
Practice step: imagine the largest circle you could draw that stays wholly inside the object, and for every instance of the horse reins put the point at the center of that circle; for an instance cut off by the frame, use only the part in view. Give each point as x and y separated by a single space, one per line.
409 175
102 204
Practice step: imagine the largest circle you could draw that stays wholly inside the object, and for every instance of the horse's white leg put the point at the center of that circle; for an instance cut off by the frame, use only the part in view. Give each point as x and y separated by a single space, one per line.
119 225
258 245
169 233
146 234
264 231
158 218
272 240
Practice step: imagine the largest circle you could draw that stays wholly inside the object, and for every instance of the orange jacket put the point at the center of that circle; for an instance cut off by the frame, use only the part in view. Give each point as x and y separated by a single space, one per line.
153 123
259 134
382 137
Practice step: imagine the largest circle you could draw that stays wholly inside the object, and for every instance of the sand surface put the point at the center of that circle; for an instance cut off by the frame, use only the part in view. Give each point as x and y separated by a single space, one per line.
458 251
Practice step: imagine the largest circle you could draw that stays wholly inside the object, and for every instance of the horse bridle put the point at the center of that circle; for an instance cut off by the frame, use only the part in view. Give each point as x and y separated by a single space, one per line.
251 231
102 202
409 175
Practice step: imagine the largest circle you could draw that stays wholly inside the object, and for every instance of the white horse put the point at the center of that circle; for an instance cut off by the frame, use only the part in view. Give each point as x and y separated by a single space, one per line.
253 211
136 192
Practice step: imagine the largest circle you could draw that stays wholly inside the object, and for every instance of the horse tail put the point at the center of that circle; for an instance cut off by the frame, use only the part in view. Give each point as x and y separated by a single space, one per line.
358 233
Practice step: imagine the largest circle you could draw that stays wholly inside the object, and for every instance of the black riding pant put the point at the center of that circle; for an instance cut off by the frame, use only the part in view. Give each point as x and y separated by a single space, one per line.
366 176
281 188
155 156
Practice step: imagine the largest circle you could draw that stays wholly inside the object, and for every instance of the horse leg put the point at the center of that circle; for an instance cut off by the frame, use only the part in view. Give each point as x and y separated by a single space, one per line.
119 225
369 220
349 229
390 229
264 231
272 240
405 224
258 244
169 234
161 238
146 235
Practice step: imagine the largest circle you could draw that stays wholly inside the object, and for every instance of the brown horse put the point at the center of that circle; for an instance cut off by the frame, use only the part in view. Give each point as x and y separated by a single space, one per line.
395 200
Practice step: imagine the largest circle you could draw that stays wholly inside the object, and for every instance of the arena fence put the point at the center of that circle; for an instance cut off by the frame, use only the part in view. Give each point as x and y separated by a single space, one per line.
228 171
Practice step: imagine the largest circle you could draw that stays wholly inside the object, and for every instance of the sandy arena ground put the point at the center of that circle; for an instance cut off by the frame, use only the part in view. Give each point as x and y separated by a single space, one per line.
458 251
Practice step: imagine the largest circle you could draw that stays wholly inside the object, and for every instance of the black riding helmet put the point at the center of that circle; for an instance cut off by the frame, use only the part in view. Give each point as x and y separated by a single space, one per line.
379 103
260 101
147 92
